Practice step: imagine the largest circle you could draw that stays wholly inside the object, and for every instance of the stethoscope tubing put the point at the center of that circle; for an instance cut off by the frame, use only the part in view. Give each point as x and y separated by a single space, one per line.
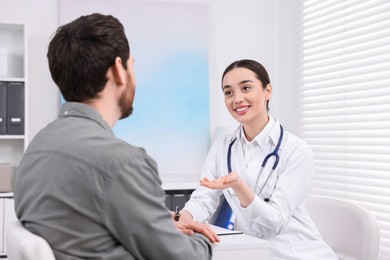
273 153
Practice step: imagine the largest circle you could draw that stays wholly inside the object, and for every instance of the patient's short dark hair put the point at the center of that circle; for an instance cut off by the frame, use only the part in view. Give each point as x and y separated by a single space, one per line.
82 51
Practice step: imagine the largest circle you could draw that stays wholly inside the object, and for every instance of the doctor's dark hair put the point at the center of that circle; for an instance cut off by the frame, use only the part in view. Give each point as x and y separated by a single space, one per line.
259 70
82 51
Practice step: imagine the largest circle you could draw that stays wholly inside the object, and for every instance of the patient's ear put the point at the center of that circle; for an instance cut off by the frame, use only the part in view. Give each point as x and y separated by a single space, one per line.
118 72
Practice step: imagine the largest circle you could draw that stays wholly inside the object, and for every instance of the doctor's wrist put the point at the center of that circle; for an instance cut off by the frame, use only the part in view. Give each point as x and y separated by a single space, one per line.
245 194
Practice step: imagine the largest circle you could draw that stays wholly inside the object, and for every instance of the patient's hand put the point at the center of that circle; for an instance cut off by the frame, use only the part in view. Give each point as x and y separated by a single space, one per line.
188 226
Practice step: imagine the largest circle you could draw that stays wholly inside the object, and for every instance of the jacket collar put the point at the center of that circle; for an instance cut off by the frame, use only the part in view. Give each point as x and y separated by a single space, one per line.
76 109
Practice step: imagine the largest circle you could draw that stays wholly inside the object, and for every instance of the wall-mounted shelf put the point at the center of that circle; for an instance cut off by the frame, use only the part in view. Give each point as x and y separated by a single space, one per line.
13 71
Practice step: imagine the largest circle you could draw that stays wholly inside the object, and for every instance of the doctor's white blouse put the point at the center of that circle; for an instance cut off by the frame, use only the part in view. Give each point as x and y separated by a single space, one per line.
284 219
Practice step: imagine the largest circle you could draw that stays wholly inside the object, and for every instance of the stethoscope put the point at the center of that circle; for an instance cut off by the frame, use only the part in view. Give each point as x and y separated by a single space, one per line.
274 153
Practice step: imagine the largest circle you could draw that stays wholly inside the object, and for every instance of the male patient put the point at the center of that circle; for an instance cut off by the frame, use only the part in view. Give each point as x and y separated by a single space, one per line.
89 194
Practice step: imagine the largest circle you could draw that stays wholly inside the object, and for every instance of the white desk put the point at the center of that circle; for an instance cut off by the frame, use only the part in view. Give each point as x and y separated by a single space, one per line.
240 246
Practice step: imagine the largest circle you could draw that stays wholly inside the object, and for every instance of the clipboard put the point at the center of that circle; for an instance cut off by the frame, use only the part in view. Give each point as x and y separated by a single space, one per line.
224 231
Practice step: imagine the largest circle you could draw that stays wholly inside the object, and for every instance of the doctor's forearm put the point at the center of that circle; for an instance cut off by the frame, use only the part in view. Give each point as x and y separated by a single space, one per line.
244 193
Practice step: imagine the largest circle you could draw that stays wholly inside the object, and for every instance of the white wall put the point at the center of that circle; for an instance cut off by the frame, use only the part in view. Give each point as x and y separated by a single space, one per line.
262 30
257 29
286 68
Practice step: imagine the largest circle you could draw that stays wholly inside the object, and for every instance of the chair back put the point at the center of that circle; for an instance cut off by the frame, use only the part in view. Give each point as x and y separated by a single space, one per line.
24 245
351 230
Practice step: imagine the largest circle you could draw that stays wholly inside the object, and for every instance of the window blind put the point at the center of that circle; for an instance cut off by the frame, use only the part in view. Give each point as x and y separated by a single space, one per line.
345 102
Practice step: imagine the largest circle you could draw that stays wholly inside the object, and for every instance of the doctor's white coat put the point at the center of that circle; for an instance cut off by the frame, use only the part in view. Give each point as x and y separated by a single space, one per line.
284 219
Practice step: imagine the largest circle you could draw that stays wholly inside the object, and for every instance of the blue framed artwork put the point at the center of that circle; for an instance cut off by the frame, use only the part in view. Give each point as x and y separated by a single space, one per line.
169 42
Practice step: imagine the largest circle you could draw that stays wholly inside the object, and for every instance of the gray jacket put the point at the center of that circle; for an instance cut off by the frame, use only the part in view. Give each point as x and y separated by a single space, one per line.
93 196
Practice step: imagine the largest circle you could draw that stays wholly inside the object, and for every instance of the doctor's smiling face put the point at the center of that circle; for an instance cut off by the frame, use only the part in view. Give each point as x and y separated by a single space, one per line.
247 92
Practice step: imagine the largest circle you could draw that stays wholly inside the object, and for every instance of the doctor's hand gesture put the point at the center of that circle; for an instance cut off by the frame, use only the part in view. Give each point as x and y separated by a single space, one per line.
234 181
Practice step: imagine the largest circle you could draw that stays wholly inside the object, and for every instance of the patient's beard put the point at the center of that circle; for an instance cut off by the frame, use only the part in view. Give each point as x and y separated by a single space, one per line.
126 101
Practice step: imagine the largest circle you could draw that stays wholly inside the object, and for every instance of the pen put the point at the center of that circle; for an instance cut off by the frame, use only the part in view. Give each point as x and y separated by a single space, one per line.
177 215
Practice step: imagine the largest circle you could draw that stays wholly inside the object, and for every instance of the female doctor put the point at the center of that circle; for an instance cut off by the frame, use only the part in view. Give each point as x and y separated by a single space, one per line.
263 171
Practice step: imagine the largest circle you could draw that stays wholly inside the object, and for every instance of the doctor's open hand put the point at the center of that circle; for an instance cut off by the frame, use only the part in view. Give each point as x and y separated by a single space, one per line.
188 226
234 181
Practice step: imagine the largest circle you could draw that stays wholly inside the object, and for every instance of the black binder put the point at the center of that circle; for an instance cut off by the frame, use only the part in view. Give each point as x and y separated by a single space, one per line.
3 106
15 108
